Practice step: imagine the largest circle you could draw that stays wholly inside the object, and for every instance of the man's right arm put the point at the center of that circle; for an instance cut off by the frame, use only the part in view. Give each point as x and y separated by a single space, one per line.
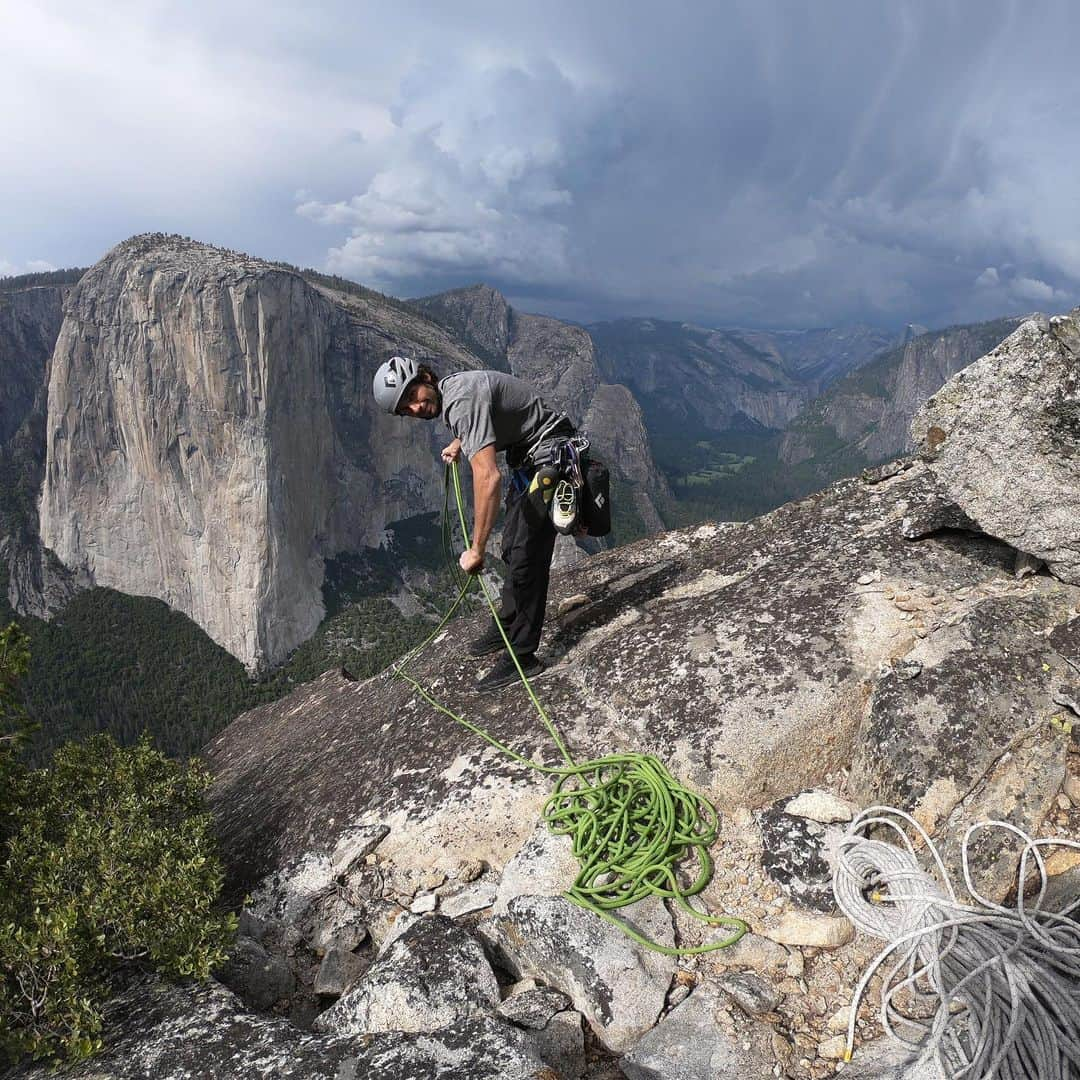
487 483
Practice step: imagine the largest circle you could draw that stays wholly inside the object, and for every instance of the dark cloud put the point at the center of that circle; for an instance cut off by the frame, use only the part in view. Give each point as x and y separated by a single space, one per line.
742 162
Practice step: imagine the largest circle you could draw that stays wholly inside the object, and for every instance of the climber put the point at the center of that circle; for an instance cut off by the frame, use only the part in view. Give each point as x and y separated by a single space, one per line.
489 412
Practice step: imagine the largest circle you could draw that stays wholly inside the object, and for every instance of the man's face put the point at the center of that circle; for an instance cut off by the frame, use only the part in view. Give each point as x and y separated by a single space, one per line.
421 400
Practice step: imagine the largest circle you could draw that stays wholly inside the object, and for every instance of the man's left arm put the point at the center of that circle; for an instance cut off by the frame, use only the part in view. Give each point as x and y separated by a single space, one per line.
487 484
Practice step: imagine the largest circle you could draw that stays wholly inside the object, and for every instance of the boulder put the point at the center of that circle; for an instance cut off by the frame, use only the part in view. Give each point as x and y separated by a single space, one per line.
1003 438
1062 890
689 1044
816 931
751 993
434 975
543 866
176 1032
820 806
794 856
250 925
336 924
480 1049
561 1043
338 971
972 727
533 1007
752 952
257 977
618 985
387 921
473 897
832 1048
1020 789
934 513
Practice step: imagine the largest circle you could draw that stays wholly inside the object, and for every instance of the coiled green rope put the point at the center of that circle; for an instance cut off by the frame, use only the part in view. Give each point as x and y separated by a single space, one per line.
629 820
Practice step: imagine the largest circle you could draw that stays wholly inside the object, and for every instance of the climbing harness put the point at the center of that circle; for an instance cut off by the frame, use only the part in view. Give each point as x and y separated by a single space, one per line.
983 989
549 431
564 454
570 485
629 820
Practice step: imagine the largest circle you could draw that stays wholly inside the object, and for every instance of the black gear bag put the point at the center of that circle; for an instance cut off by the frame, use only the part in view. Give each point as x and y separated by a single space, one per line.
595 496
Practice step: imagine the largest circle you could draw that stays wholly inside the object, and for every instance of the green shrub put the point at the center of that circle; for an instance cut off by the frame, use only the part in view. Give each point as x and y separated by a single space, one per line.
110 867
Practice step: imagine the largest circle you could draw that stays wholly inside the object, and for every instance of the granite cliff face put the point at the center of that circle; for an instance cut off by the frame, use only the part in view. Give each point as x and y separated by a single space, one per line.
211 437
30 321
479 316
178 465
866 415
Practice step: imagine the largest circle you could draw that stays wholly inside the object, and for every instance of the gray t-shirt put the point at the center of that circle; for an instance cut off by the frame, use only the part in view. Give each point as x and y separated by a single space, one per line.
486 407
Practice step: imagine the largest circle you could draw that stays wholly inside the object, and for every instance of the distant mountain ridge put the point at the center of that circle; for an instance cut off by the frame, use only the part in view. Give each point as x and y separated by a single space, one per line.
478 315
864 417
690 377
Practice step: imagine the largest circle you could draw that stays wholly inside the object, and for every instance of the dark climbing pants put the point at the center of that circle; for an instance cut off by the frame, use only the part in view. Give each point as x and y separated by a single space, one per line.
527 547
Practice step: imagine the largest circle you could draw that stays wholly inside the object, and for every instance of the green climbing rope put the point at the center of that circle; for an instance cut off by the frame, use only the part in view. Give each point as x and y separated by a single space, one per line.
630 822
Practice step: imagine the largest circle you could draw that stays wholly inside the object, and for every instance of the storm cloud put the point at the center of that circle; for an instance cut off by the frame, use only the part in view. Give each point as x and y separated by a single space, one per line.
762 163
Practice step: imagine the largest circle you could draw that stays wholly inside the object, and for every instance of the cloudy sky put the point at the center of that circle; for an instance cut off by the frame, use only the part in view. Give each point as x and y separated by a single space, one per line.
777 163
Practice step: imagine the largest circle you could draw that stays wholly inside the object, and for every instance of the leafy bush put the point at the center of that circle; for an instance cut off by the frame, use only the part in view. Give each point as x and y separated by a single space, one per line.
109 867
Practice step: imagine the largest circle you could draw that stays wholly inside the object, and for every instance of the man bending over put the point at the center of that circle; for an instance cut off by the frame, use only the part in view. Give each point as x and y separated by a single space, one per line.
489 413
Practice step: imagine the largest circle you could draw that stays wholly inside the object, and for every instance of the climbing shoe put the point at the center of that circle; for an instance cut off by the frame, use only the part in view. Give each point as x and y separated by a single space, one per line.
539 494
544 483
488 642
564 507
504 673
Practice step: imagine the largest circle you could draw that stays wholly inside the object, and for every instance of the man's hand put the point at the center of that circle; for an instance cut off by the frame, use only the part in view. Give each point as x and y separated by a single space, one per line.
471 561
452 452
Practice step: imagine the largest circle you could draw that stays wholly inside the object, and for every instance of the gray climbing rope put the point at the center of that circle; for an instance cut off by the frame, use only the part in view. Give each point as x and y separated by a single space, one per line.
983 989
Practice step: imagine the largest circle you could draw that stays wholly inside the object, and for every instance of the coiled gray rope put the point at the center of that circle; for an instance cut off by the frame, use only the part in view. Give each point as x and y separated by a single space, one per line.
983 989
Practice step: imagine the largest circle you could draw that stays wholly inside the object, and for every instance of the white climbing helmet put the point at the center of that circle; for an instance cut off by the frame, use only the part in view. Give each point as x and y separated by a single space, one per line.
392 379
